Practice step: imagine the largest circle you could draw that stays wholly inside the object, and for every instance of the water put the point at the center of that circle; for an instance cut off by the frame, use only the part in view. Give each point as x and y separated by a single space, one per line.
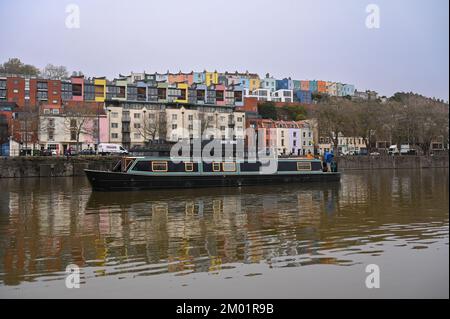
290 241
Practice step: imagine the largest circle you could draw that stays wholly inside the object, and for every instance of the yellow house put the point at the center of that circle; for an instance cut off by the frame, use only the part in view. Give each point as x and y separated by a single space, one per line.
100 90
183 87
211 78
254 83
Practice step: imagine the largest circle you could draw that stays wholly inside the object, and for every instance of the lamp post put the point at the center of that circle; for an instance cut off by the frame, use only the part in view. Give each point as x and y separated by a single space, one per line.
109 125
98 124
144 128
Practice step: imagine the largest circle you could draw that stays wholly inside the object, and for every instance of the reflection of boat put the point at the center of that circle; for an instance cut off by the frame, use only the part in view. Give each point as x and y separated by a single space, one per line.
98 200
137 173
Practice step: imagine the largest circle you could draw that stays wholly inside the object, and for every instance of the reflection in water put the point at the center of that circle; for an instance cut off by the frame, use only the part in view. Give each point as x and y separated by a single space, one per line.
46 224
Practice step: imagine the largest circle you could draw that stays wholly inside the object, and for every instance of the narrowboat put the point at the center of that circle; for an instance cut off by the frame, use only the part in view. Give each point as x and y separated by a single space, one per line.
140 173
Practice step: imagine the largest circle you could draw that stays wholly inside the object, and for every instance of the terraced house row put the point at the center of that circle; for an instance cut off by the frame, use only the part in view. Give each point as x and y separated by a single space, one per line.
177 99
222 89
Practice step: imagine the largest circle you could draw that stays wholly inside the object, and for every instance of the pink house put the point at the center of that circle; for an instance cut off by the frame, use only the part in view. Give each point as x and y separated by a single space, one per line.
220 94
77 88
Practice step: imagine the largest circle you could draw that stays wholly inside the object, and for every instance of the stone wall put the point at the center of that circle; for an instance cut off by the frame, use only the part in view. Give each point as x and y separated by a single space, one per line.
52 166
390 162
61 166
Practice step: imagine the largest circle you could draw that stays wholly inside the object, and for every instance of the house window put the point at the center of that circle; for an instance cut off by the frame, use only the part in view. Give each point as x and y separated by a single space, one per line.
190 117
229 167
174 117
114 125
114 115
137 125
216 167
189 167
114 135
174 126
159 166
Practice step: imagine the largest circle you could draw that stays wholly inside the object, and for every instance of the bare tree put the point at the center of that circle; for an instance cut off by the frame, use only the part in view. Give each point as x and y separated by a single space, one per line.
333 120
154 126
55 72
80 121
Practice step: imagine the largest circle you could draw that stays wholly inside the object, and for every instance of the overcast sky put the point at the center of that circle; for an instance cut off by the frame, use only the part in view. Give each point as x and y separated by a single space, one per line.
303 39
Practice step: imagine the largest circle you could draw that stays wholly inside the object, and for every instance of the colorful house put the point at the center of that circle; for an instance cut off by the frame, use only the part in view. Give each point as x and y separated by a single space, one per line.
183 93
304 85
313 86
348 89
303 96
269 83
332 88
321 86
285 84
211 78
100 89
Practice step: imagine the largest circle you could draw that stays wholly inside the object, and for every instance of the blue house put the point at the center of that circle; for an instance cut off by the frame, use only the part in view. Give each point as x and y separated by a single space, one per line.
303 96
285 84
348 89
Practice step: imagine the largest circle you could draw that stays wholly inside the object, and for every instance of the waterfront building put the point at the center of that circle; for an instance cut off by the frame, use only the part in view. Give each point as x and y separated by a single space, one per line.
72 126
135 124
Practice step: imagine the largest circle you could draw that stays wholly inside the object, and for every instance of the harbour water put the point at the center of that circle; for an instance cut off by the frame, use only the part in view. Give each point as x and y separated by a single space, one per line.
293 241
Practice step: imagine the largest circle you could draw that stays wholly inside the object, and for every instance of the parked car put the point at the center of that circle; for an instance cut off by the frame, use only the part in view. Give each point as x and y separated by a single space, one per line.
54 152
107 149
46 152
87 152
375 154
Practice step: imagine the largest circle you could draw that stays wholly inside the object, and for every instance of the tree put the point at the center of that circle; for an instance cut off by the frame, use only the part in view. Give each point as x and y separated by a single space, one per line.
294 112
153 126
55 72
79 73
80 121
268 110
332 120
15 66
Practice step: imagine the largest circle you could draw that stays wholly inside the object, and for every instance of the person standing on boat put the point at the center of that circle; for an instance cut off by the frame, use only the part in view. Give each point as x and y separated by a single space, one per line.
328 159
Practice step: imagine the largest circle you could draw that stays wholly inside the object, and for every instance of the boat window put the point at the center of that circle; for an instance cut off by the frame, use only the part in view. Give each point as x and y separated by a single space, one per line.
229 167
127 163
303 166
159 166
189 166
216 167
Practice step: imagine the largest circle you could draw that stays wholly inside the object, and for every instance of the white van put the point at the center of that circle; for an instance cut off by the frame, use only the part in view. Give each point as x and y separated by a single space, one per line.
105 149
393 150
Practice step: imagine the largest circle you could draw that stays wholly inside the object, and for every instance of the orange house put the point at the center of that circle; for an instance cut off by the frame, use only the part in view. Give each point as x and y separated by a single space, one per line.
321 86
181 77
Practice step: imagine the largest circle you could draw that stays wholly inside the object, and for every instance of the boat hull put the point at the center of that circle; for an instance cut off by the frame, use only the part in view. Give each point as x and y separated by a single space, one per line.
117 181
